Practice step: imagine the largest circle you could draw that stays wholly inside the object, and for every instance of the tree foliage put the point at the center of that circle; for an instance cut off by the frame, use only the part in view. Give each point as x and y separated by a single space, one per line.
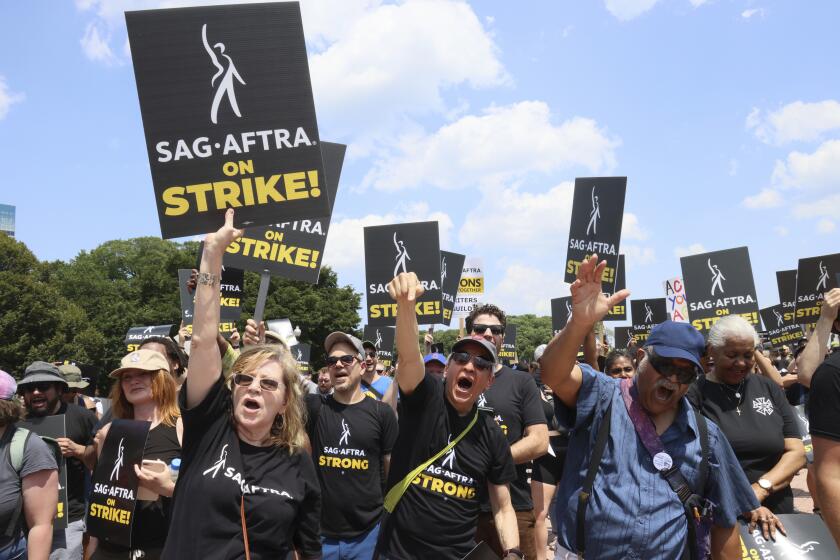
81 310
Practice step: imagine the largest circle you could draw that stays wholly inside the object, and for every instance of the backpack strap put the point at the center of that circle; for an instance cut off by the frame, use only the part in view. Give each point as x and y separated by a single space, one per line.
591 472
368 387
17 439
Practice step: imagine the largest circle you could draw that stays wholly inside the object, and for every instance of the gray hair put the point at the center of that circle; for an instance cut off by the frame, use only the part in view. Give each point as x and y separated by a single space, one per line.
729 327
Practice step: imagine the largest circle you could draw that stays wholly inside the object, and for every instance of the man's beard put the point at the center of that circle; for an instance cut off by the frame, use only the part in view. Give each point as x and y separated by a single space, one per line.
40 413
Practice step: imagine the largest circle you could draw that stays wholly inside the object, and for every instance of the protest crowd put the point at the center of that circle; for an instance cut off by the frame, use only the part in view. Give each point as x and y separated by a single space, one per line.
227 437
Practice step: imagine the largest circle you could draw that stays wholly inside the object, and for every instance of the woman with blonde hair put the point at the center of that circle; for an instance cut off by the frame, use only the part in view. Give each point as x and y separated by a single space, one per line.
145 390
247 487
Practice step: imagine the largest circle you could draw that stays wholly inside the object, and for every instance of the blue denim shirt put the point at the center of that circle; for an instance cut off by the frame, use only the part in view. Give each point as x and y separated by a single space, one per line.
633 513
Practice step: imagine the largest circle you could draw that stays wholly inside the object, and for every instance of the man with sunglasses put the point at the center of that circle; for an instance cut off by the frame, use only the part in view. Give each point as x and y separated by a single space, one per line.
627 504
372 379
42 387
517 409
436 515
352 437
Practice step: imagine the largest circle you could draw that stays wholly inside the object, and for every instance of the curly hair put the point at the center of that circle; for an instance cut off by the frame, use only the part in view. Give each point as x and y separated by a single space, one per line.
289 428
10 412
486 309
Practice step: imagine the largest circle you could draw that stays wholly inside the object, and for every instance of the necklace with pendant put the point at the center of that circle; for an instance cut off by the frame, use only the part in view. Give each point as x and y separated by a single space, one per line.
739 394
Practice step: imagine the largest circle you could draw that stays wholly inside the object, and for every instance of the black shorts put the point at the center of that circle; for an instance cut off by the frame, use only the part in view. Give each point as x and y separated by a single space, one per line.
549 469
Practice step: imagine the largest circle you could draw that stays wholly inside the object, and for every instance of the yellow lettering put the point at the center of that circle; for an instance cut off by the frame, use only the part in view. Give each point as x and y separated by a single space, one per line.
176 206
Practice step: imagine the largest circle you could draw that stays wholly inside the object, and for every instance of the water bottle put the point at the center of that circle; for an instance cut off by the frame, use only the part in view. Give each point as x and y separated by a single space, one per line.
174 468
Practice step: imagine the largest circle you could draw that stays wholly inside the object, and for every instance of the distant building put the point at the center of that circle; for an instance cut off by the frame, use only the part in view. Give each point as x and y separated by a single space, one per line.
7 219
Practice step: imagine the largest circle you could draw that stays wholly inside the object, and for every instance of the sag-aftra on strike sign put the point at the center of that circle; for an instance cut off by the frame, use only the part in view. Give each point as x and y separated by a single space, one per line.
228 114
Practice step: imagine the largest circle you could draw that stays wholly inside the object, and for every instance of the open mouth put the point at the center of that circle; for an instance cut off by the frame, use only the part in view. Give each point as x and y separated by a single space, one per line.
465 383
664 392
251 404
38 402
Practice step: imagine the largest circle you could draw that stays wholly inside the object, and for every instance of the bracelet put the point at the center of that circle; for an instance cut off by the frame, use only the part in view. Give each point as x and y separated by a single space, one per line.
207 279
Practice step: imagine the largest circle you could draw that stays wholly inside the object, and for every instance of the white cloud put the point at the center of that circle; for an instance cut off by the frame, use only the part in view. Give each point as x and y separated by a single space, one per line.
747 14
826 206
527 289
815 170
508 219
693 249
629 9
697 3
630 228
500 145
781 231
345 242
767 198
95 46
635 256
8 98
826 226
795 122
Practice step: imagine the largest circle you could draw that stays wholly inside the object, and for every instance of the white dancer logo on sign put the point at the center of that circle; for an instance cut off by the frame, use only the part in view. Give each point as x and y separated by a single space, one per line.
402 255
717 276
822 284
779 318
118 463
594 215
226 84
648 314
378 342
442 269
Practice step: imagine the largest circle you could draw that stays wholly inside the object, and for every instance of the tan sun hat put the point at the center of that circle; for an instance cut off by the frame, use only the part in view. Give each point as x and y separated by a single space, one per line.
143 359
73 376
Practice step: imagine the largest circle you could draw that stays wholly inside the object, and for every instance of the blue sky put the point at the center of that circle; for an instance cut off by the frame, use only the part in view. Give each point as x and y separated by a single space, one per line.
723 114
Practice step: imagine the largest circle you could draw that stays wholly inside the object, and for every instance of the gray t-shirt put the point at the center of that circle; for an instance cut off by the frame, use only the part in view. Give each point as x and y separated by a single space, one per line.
36 457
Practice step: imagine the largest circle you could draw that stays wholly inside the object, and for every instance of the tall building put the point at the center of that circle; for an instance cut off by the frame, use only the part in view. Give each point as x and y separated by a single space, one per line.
7 219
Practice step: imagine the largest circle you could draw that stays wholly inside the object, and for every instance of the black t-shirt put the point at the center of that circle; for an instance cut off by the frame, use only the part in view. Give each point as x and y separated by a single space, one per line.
437 515
348 443
78 424
756 435
824 405
282 497
515 400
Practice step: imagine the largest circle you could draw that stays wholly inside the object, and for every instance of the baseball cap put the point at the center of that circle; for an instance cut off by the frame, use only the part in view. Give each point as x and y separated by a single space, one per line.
538 352
368 345
143 359
434 357
336 337
40 372
491 349
677 340
73 376
8 387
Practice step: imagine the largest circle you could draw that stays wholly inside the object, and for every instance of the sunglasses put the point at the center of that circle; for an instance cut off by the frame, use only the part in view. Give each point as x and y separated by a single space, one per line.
370 353
245 380
667 368
346 359
463 358
620 370
41 387
481 329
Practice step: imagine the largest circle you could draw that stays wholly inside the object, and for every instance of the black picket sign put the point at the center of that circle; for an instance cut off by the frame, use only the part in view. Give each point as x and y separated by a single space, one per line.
718 284
136 335
645 314
597 215
622 337
561 310
618 312
114 485
228 114
814 277
807 539
50 428
302 352
382 339
295 249
396 248
786 282
508 351
780 327
451 266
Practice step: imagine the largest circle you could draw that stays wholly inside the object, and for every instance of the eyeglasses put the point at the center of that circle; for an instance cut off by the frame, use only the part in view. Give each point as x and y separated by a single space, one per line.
481 329
346 359
667 368
463 358
620 370
41 387
245 380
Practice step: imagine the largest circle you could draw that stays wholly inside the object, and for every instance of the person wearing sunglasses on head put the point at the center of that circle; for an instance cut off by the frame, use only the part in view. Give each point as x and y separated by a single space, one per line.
352 436
247 487
517 409
645 476
447 451
619 364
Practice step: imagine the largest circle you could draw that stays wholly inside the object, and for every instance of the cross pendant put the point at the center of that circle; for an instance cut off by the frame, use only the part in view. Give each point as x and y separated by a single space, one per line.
738 410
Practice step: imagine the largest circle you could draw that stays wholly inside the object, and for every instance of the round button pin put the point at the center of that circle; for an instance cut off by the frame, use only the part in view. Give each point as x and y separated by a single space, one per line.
662 461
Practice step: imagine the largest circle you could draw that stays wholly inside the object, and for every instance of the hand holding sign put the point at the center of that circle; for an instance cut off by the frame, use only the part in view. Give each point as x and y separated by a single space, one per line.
405 288
254 334
155 478
765 520
589 303
831 304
